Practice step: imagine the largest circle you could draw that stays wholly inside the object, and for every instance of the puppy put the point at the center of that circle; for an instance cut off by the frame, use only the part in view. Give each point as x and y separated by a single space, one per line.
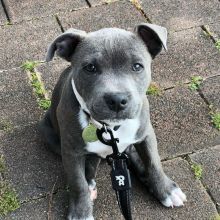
107 81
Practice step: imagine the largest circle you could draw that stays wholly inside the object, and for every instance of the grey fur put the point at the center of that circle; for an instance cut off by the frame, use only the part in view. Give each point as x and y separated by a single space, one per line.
113 51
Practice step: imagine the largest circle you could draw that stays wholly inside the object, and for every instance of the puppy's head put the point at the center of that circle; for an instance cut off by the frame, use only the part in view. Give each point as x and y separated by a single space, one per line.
111 68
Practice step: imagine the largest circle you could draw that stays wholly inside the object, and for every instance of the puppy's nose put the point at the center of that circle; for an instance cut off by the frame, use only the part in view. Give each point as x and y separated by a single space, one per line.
116 101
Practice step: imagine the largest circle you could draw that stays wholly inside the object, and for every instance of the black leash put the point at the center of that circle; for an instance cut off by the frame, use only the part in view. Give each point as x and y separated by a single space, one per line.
120 175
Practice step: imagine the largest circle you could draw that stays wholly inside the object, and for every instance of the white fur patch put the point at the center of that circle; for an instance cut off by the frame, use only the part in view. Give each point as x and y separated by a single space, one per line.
126 134
176 198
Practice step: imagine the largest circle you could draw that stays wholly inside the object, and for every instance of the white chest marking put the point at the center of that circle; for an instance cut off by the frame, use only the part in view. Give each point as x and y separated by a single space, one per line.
126 134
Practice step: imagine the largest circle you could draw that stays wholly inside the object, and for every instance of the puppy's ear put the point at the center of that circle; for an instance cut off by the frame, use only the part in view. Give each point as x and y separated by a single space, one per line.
65 44
154 37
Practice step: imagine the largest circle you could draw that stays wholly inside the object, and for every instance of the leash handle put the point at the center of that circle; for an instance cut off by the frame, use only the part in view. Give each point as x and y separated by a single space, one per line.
120 175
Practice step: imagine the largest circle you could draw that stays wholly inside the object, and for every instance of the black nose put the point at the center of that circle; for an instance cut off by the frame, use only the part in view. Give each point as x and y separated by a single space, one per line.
116 101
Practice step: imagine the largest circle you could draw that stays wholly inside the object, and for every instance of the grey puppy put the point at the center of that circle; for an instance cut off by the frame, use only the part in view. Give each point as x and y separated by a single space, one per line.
107 81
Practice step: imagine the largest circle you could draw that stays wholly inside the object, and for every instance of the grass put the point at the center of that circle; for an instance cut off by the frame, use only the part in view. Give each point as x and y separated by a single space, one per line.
37 85
197 169
216 119
8 199
44 104
6 126
195 82
154 90
217 44
29 66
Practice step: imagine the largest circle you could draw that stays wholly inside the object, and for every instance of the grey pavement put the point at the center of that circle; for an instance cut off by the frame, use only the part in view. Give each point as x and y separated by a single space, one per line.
181 117
3 18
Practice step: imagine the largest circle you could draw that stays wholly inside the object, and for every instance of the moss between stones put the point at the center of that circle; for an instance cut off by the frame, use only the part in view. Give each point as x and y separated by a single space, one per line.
8 199
216 119
217 44
154 89
36 83
197 169
6 126
195 82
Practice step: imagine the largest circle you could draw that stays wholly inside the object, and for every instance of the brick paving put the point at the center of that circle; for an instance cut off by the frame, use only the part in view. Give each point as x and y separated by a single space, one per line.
181 117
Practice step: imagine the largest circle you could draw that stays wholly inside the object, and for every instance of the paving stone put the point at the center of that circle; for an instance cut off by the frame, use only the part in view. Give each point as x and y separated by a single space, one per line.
189 53
215 30
182 123
97 2
31 168
144 206
177 15
50 73
38 209
18 104
3 18
31 42
211 90
210 162
26 9
118 14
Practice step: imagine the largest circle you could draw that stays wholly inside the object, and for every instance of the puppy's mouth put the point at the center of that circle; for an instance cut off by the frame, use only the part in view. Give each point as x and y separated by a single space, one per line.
113 119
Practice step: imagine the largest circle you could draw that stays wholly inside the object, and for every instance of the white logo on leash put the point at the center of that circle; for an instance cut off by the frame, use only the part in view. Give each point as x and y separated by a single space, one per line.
120 180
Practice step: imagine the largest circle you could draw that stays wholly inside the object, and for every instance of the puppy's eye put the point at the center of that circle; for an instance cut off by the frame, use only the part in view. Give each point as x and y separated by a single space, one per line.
137 67
90 68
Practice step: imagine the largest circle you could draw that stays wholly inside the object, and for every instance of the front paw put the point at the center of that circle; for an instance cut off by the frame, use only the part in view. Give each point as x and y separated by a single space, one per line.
168 192
93 190
174 198
80 208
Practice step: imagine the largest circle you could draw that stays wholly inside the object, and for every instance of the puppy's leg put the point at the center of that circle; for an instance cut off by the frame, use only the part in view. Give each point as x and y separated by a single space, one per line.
47 131
92 162
152 174
80 204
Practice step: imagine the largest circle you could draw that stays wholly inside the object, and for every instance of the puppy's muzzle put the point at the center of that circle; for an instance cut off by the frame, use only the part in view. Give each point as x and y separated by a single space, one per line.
117 101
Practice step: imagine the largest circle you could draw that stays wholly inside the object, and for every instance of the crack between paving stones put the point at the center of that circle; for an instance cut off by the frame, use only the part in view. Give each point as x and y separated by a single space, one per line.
43 196
209 34
190 162
5 10
88 3
105 3
183 156
203 97
45 16
138 6
59 23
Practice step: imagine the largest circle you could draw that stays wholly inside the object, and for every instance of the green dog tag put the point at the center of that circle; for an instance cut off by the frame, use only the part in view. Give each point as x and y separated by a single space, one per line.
89 133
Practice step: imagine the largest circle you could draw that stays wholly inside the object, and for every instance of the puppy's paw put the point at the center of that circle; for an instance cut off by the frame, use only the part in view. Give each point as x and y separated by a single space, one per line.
175 198
93 190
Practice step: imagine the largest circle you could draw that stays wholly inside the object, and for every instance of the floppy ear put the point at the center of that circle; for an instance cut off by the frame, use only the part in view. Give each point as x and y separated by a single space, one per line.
65 44
154 37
